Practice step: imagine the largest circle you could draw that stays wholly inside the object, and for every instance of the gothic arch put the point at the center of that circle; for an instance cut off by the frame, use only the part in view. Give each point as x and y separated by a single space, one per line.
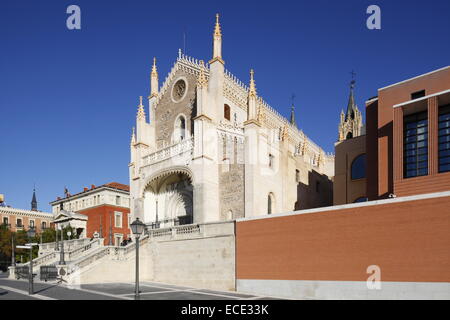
165 173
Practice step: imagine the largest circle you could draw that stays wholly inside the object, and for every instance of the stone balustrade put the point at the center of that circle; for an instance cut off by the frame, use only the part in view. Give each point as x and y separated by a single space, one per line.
68 245
169 152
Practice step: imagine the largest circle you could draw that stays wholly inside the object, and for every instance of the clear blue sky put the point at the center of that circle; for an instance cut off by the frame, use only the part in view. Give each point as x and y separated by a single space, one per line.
68 98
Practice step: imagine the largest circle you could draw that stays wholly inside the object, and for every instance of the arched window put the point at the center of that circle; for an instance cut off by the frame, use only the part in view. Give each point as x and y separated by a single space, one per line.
226 112
180 129
361 199
358 167
349 135
270 203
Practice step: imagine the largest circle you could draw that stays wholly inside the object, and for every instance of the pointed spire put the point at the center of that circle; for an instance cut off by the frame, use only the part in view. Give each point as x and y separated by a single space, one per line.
202 81
351 107
154 80
141 111
154 70
217 30
217 43
252 88
34 201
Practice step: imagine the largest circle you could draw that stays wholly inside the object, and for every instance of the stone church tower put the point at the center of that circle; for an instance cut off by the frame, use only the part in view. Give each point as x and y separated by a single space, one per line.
351 124
211 149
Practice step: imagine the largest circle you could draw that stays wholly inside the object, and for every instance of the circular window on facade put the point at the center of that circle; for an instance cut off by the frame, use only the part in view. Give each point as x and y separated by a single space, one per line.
179 90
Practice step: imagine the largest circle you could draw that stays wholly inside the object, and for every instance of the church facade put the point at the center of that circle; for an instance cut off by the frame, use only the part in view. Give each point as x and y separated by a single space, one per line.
211 149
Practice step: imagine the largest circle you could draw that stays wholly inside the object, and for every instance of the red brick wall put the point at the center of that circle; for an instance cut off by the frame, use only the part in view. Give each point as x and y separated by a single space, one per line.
102 214
409 241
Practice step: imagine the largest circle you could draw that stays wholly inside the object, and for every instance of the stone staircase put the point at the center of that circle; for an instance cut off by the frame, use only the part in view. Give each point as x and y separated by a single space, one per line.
49 255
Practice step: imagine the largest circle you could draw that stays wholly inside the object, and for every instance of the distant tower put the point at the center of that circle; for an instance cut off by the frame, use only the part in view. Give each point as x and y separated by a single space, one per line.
292 119
33 201
350 125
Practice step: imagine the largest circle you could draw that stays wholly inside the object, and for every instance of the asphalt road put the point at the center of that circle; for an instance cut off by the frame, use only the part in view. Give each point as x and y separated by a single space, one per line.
18 290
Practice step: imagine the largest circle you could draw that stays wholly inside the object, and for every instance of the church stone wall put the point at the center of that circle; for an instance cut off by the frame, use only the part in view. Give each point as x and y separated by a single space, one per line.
231 184
168 110
231 177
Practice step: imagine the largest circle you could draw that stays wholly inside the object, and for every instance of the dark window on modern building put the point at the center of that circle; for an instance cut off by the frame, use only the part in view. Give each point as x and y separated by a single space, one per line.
418 94
415 141
361 199
226 112
444 138
359 167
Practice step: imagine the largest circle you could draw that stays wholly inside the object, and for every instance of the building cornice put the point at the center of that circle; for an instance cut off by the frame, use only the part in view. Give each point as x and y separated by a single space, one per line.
410 79
420 99
21 212
87 193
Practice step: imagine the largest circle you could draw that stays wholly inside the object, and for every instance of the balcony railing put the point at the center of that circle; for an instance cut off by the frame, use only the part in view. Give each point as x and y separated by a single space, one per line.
169 152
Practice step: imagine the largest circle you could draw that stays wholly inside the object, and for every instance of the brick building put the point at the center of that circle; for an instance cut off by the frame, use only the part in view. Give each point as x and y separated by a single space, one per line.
107 208
406 148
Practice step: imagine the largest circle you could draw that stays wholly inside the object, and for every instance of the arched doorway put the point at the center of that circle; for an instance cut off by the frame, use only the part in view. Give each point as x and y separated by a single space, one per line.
168 200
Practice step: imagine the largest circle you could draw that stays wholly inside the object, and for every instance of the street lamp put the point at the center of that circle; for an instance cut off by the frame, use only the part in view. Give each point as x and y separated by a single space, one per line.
31 233
69 234
137 227
61 252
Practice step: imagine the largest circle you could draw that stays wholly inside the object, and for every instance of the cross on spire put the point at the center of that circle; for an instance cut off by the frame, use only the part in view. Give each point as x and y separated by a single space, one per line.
352 83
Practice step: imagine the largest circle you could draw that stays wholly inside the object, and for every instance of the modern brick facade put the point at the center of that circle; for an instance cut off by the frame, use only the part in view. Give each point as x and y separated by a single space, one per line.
384 142
385 136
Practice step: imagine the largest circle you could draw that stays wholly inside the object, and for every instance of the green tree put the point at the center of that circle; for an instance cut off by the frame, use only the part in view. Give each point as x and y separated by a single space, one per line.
5 247
49 235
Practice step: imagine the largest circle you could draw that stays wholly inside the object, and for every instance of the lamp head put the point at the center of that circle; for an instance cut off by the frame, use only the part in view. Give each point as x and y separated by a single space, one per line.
137 227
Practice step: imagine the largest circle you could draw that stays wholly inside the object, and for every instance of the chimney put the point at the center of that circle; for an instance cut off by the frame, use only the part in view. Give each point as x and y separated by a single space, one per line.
92 186
85 189
59 198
